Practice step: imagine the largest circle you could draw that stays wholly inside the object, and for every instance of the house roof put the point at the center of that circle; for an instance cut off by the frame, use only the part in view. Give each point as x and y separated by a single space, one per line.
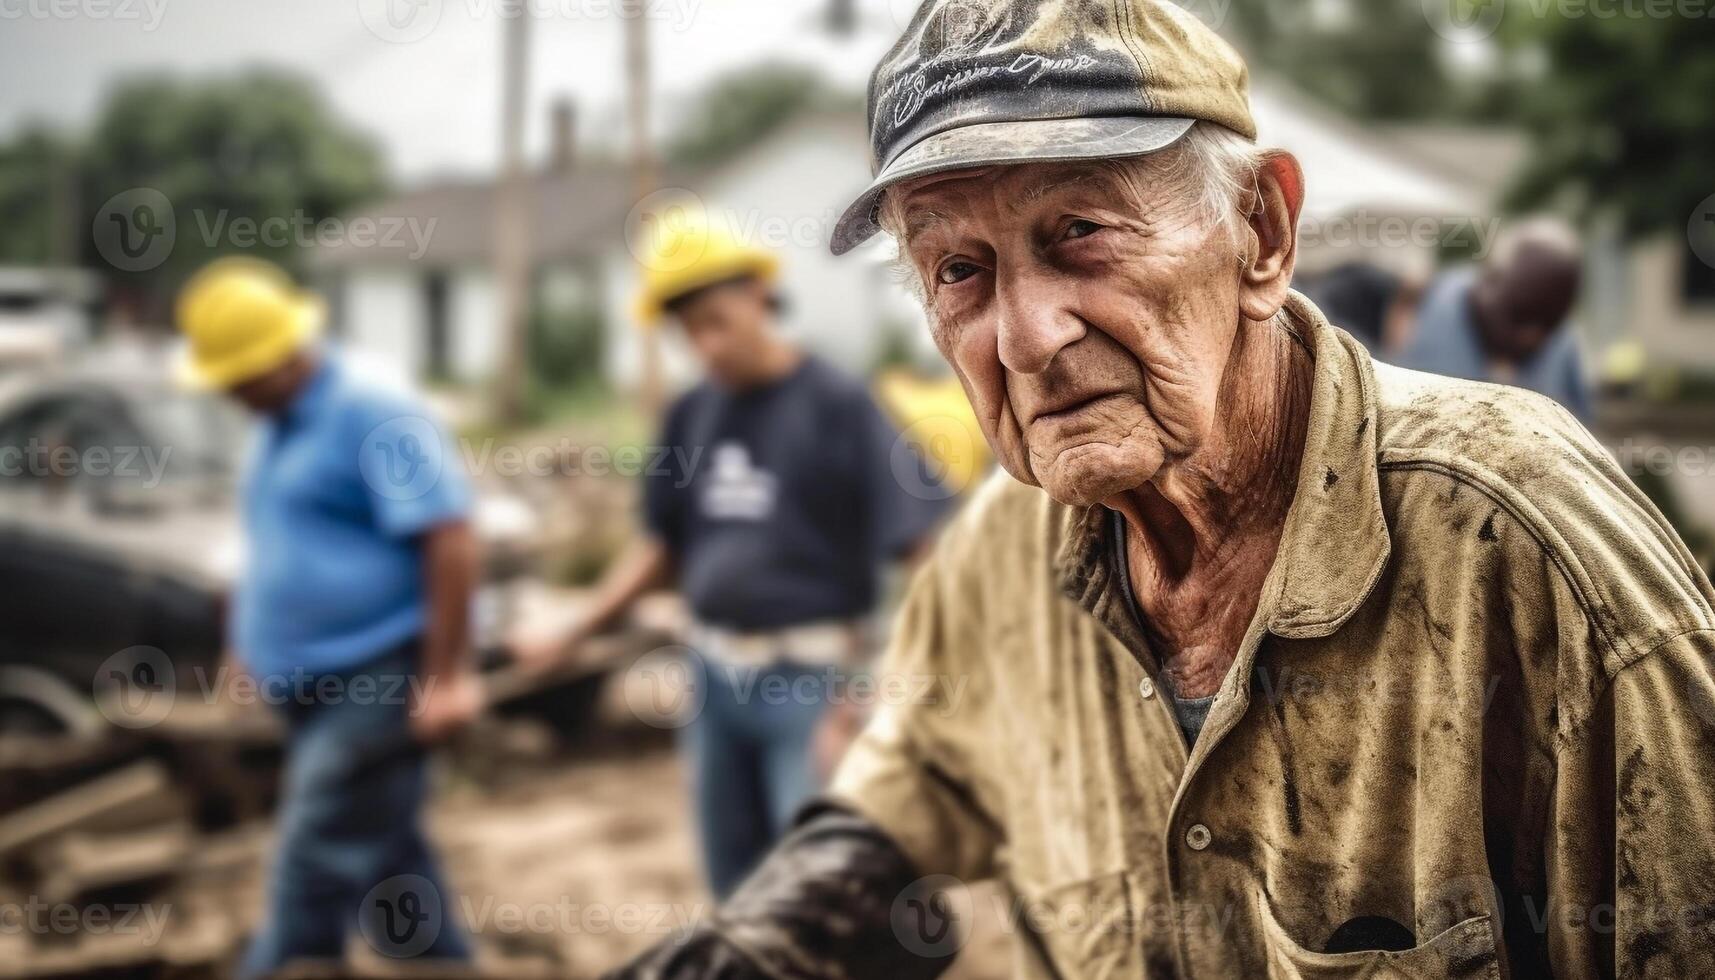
1416 168
572 214
1484 157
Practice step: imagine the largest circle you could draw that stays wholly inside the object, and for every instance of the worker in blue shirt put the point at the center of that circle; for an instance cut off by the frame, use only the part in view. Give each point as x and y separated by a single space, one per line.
351 617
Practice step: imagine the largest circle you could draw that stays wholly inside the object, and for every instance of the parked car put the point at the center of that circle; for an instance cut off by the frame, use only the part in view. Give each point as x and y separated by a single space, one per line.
118 532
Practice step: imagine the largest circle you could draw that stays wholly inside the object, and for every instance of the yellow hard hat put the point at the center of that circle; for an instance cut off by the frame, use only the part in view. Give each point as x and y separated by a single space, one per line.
241 319
683 251
935 416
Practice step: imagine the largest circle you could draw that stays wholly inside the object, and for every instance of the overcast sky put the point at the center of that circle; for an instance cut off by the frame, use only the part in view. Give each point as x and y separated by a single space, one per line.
420 75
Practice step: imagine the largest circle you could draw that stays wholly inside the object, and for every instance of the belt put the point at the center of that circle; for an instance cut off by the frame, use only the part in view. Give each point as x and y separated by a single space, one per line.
827 642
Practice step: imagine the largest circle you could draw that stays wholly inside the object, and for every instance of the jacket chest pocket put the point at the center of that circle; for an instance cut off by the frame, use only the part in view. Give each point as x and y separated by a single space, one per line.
1466 949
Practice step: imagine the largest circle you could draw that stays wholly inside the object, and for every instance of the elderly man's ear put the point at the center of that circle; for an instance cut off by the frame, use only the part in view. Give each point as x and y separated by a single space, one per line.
1271 237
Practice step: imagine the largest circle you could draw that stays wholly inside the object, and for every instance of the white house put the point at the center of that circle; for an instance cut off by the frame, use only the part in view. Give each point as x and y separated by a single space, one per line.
1390 194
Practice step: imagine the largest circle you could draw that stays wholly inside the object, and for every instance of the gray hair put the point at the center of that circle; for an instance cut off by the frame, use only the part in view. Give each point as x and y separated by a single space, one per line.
1214 165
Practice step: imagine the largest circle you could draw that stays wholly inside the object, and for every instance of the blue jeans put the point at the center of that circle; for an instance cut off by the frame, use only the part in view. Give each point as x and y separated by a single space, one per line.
750 759
350 834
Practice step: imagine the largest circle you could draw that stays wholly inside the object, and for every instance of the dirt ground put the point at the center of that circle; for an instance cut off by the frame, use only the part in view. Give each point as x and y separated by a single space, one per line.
560 862
581 865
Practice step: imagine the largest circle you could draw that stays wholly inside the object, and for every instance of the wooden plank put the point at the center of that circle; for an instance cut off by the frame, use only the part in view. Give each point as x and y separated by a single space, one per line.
77 864
140 793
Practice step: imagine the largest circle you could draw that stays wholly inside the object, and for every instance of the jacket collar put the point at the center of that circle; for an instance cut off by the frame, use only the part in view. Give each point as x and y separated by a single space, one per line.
1335 542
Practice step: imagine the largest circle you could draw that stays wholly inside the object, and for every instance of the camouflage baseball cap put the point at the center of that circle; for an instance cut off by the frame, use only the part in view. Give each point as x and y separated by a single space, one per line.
982 82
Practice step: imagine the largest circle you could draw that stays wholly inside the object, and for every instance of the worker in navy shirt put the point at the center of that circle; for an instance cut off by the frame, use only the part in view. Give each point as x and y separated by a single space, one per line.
785 494
350 618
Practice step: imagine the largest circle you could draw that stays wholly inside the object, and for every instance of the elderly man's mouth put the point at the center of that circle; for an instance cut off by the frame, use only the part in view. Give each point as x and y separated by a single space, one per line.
1075 412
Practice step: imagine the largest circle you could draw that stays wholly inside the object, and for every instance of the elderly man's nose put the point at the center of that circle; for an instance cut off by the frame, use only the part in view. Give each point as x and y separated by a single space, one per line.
1034 327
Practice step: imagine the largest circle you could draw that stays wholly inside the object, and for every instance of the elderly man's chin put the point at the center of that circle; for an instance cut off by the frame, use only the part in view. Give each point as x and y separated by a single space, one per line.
1089 471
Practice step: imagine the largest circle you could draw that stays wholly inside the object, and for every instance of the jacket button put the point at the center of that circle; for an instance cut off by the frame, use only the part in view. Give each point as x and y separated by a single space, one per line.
1197 837
1146 687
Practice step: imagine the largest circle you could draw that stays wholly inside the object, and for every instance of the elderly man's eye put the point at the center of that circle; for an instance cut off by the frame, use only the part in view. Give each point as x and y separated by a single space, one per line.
1080 228
956 271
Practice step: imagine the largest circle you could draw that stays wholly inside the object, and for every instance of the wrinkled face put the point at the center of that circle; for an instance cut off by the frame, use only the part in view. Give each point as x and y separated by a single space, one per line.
1089 317
727 326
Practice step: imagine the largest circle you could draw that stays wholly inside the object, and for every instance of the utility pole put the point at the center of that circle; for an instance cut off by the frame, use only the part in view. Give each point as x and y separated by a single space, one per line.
512 257
643 169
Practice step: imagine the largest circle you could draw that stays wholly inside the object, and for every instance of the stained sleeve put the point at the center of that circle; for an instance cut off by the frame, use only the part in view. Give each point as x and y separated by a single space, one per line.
1632 841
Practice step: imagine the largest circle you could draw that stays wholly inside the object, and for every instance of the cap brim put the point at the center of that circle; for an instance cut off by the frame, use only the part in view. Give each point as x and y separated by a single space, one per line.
1005 143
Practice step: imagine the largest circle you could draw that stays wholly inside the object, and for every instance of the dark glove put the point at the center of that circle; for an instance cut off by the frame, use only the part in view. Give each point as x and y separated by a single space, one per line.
820 907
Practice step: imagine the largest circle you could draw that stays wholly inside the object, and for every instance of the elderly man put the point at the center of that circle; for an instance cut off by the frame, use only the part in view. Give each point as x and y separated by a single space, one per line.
1268 660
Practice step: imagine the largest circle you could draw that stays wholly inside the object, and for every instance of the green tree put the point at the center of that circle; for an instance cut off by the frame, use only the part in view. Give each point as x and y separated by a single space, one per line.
1374 59
37 177
250 147
742 106
228 153
1621 111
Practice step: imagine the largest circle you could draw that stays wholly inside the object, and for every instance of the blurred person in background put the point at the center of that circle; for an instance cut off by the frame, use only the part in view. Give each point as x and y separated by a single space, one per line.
1374 304
351 615
1505 321
1343 667
787 501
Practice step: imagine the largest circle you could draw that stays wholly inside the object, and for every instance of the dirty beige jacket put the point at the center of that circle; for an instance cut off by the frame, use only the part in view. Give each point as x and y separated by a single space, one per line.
1476 699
